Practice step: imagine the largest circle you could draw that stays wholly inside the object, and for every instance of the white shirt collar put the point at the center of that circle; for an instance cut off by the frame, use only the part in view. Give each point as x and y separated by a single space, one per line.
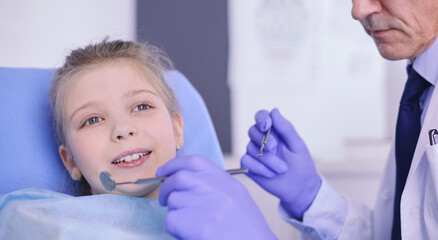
426 64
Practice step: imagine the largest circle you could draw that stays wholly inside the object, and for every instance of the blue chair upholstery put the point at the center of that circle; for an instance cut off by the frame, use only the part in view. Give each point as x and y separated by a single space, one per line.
28 150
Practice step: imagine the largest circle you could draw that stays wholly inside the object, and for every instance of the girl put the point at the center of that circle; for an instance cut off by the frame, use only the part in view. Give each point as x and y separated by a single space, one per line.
114 112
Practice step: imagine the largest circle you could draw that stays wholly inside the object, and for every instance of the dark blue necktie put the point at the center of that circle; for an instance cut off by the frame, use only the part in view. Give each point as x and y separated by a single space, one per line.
406 137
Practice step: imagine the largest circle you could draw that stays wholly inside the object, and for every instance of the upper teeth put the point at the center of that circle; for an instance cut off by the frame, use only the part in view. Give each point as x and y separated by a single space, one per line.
129 158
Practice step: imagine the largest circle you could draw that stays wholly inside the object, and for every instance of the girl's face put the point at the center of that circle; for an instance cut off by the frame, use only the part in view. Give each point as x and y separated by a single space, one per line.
115 121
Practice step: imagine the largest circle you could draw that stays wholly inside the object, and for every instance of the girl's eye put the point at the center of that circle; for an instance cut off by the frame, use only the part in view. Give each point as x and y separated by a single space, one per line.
141 107
92 120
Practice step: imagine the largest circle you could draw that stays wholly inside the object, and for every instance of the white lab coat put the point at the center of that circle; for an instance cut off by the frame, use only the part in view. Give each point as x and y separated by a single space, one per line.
419 202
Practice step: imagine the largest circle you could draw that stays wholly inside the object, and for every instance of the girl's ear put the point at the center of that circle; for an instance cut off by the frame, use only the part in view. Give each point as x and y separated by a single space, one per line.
178 128
67 159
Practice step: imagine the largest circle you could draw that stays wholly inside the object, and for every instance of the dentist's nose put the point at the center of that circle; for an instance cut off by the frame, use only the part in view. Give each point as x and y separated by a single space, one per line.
363 8
123 130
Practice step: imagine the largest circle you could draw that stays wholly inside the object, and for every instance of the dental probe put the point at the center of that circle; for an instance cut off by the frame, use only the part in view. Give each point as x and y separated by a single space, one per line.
109 184
265 139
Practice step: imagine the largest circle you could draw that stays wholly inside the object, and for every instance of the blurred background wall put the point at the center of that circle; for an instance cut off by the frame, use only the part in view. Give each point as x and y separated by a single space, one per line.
306 57
41 33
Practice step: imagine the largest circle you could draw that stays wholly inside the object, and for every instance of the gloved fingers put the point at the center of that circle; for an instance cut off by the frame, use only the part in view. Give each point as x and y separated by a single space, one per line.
187 223
270 160
263 120
257 136
256 167
176 200
184 199
190 163
176 224
181 181
287 132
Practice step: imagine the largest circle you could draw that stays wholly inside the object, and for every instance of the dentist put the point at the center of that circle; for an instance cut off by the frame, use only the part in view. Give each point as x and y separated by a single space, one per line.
407 204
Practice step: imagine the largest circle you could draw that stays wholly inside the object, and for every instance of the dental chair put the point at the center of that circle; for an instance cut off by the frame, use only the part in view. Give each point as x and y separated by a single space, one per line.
28 149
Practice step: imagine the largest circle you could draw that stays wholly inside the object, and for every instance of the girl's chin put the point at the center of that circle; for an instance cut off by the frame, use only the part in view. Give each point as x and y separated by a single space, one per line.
140 190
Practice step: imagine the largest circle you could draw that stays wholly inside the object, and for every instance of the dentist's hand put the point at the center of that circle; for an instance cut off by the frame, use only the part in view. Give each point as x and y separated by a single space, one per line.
286 168
206 202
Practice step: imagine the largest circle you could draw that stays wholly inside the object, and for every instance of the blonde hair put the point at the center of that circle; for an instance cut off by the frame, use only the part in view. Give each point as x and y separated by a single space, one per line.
152 61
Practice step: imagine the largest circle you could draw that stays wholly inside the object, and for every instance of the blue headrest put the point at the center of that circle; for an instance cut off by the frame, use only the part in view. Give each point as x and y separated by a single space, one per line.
28 149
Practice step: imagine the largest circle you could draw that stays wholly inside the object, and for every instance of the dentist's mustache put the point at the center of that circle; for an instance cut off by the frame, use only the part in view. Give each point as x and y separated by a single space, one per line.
377 23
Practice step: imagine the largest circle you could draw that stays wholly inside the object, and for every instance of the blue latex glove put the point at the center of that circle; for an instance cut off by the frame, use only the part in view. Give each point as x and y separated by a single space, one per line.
286 168
205 202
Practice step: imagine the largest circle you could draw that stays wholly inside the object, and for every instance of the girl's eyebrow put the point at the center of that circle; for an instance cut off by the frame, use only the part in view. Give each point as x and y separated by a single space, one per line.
136 92
86 105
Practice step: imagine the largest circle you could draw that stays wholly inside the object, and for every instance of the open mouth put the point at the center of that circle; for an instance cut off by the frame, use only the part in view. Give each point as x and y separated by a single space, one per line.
130 157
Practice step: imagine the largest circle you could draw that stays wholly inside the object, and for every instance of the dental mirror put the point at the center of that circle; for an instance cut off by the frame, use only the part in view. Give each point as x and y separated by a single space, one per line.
109 184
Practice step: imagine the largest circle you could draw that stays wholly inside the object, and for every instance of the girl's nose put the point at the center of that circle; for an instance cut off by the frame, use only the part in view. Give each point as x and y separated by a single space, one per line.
363 8
123 130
